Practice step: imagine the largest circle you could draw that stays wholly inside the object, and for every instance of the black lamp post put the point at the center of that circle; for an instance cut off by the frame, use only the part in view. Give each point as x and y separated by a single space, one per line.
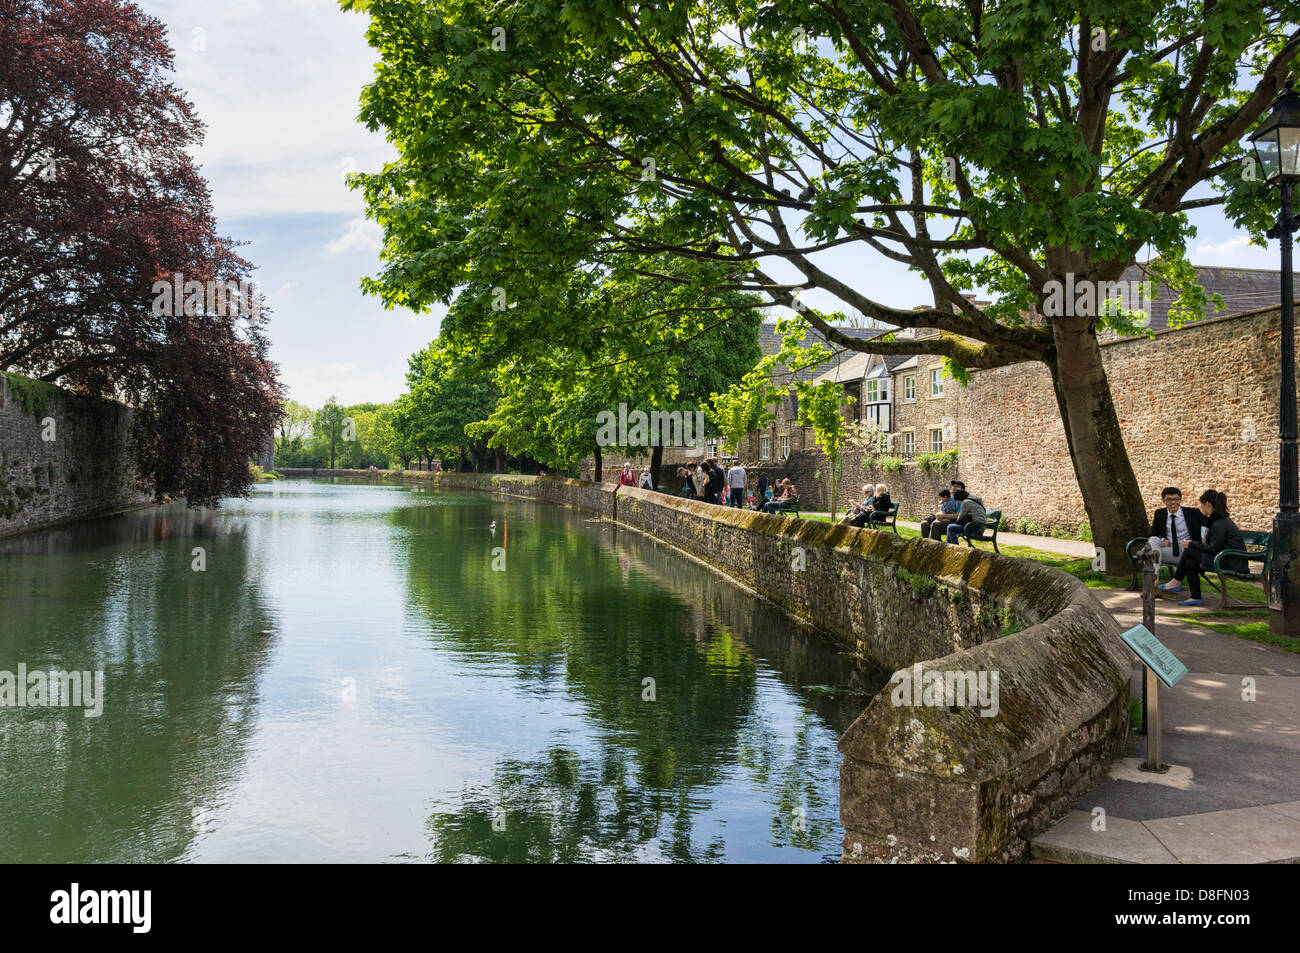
1277 147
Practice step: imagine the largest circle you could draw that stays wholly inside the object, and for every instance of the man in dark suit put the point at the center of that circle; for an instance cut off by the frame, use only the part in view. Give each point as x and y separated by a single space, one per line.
1174 525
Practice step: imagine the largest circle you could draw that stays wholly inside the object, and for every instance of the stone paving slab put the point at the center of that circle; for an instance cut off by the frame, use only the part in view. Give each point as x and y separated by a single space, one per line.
1252 835
1255 835
1073 841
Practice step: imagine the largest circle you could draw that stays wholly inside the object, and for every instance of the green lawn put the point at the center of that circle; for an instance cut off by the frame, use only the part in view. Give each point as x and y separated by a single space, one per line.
1254 631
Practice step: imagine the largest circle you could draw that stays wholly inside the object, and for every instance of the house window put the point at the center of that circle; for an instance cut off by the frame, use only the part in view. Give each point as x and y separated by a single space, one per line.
936 382
879 414
713 447
873 391
909 387
765 448
785 447
936 440
909 442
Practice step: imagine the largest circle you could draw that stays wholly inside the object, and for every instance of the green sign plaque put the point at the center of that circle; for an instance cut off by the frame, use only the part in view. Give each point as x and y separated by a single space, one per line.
1155 655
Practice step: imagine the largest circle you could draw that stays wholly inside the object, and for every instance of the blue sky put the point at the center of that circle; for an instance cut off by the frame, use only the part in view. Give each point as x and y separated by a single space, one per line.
278 84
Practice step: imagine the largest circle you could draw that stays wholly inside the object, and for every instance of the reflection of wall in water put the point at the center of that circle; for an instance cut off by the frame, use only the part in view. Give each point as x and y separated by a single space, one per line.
181 652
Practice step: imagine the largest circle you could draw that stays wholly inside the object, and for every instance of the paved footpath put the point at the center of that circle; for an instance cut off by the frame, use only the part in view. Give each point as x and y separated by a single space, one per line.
1232 794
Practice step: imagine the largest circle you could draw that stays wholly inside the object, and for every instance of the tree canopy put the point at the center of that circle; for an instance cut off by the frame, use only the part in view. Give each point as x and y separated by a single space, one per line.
732 145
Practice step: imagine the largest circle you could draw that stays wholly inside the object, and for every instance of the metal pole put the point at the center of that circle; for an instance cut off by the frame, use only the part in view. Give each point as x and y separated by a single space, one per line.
1284 571
1150 684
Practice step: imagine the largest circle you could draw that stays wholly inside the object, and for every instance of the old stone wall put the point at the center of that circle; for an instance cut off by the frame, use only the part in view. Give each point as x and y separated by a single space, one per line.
1198 406
62 457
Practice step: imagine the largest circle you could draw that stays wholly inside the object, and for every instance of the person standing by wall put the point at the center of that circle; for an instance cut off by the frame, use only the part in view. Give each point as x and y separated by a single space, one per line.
736 480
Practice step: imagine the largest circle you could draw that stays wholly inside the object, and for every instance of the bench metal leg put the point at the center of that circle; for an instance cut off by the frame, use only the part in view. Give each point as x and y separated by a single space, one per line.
1223 592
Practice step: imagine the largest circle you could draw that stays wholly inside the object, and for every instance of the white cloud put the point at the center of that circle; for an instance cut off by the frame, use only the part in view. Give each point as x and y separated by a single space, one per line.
279 87
1236 245
361 233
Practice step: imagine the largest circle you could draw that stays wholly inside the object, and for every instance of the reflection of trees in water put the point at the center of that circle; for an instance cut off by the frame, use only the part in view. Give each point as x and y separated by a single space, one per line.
563 808
603 609
180 651
562 613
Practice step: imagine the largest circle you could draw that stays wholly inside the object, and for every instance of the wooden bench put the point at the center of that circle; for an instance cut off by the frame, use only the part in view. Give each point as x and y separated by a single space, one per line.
788 507
975 531
889 519
1259 548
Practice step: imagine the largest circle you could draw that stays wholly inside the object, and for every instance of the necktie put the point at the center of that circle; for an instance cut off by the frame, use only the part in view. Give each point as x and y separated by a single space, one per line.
1173 530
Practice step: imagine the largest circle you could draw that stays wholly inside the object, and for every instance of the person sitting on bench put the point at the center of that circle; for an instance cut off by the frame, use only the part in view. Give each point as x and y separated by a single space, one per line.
1173 526
933 527
971 510
870 490
1218 533
784 491
880 505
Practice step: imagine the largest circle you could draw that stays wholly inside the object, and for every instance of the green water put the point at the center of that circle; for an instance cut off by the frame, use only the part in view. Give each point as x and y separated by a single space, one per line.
349 679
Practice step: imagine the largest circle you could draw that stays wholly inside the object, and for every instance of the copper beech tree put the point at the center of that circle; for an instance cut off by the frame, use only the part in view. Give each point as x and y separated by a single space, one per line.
999 147
101 210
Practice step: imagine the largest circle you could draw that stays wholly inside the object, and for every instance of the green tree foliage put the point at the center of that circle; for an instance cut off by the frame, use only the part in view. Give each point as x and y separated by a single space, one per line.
727 145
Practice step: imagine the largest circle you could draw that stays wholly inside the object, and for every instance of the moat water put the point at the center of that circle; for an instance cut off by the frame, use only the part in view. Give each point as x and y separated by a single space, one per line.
337 671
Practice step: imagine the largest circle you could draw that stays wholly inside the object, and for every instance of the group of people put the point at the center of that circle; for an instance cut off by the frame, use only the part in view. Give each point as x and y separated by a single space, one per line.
1189 538
957 510
628 477
874 508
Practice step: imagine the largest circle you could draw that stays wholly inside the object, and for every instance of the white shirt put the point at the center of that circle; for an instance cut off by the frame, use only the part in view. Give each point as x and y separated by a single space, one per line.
736 477
1178 524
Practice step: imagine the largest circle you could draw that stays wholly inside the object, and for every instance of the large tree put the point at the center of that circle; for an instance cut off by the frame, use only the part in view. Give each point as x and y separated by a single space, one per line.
999 146
101 206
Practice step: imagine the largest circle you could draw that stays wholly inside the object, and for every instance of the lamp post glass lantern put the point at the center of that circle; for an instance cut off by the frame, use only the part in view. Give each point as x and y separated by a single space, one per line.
1277 150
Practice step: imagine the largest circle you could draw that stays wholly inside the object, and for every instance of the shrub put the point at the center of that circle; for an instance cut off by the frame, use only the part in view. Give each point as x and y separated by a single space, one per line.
937 461
1085 532
890 464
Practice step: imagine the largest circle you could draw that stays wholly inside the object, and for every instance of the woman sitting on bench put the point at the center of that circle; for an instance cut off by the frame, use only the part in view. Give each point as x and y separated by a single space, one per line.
1220 533
877 511
784 491
870 491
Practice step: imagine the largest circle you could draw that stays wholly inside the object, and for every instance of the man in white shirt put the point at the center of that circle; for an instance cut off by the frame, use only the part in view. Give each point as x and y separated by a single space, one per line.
1174 525
736 483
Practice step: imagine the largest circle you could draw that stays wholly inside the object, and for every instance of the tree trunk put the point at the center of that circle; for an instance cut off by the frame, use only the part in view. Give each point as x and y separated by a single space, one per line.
596 475
656 461
1107 483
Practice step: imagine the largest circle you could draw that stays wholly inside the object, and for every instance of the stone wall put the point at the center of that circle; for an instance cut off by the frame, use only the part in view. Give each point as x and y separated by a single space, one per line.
932 782
62 457
1198 406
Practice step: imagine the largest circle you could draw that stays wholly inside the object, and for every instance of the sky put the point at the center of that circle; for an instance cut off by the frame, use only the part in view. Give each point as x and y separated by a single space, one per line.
278 83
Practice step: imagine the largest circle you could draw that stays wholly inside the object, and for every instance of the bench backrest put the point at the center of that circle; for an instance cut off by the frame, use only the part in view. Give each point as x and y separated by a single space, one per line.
1257 538
992 518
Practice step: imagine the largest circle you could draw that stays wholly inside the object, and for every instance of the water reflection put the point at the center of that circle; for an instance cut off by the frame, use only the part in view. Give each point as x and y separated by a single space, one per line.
350 680
180 651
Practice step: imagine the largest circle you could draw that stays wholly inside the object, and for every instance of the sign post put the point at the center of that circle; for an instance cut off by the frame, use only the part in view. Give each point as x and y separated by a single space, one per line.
1159 664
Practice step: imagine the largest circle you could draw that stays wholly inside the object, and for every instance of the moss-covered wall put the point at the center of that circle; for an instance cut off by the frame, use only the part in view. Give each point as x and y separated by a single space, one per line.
62 457
919 783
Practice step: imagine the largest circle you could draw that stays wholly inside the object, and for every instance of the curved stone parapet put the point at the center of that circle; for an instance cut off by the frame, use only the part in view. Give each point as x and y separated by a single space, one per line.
965 766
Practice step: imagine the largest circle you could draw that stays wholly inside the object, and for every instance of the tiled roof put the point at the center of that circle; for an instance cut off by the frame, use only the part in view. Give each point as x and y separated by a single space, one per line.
770 343
1243 289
